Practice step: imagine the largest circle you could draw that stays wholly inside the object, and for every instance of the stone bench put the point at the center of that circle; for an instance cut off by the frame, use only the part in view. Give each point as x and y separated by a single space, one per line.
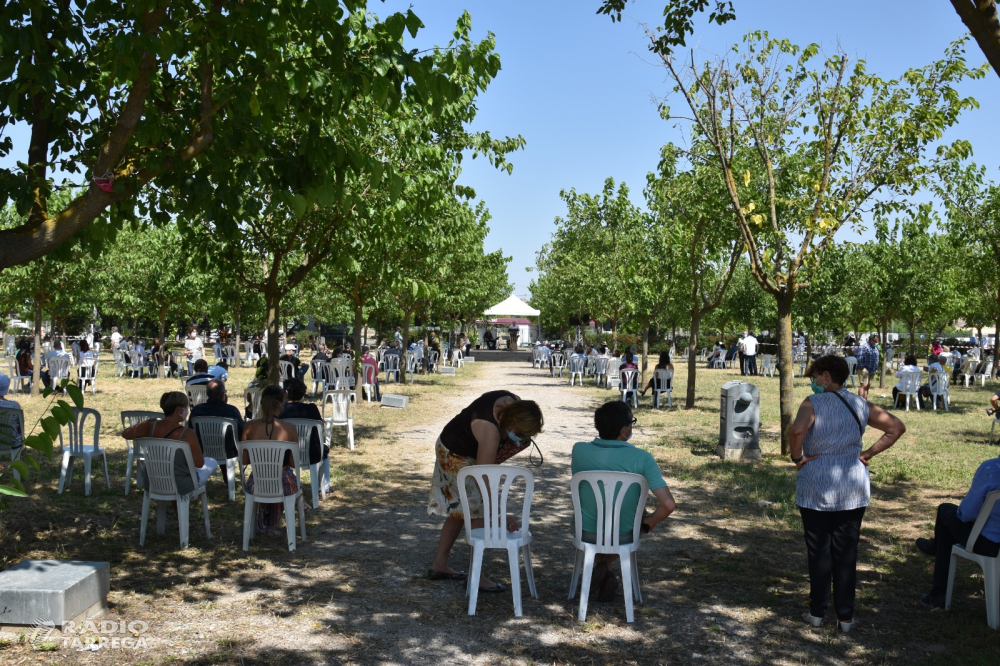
53 591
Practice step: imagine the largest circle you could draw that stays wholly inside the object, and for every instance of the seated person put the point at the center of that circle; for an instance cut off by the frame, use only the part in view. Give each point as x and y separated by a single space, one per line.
489 339
295 390
612 452
909 365
218 405
201 374
368 361
663 364
272 401
220 370
57 352
175 412
322 353
12 436
291 357
953 525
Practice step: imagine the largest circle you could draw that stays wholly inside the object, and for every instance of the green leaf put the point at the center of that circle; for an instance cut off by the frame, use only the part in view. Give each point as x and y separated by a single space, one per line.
51 426
20 467
299 205
40 444
75 394
7 490
31 461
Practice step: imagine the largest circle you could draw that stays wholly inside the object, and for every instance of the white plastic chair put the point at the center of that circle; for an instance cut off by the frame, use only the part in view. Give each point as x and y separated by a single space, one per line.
231 356
16 380
910 382
249 358
989 565
852 363
251 399
612 378
590 365
391 367
319 473
969 370
576 365
719 362
493 483
158 458
432 360
12 429
320 374
412 363
986 373
286 369
121 367
267 462
212 435
557 362
664 378
86 372
369 378
629 380
600 368
890 359
457 358
129 419
610 489
197 394
938 384
77 449
341 414
536 358
767 365
58 370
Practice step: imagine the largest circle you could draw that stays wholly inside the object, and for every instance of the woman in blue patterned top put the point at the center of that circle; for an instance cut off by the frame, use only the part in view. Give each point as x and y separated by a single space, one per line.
832 489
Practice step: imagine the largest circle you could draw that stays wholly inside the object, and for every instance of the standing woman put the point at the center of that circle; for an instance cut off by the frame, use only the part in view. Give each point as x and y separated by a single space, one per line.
473 438
194 349
832 488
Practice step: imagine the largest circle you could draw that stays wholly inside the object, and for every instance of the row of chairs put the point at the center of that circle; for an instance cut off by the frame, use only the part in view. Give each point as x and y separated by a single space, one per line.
607 373
59 369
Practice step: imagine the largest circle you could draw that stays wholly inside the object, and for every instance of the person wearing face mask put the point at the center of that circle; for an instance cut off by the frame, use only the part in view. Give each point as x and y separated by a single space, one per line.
611 452
194 349
832 488
172 426
486 432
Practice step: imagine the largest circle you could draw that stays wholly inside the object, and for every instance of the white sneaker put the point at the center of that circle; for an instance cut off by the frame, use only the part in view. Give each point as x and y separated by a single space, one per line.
812 619
845 627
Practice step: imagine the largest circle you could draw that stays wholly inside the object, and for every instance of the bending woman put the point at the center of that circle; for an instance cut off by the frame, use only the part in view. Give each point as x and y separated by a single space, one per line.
832 488
473 438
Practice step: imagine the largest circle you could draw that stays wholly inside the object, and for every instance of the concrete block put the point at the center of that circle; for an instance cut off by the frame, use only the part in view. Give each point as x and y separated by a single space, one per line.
470 359
394 400
446 370
53 591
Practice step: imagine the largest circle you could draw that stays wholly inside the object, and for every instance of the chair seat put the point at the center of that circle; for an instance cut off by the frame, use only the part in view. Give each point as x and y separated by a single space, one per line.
477 534
87 450
173 498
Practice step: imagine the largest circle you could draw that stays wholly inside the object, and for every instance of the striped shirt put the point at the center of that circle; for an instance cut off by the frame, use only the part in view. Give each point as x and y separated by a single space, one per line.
868 358
837 480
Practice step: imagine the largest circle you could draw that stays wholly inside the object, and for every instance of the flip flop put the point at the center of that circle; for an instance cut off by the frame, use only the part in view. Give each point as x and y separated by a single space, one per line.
444 575
497 587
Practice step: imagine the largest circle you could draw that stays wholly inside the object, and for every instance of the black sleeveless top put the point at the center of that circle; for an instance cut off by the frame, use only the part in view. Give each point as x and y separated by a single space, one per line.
457 436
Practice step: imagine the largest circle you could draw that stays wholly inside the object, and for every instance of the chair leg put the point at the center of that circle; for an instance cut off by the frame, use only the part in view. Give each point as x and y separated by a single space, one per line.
302 519
104 461
588 573
183 507
315 481
636 587
161 517
204 510
231 478
474 575
514 561
87 464
350 434
145 518
64 472
128 471
248 521
626 563
991 580
529 570
953 565
325 480
290 522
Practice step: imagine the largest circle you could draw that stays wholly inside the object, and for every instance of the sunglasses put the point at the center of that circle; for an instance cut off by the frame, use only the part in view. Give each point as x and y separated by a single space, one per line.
634 421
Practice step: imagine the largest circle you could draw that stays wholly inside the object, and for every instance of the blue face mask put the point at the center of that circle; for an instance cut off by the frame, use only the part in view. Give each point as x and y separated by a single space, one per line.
816 387
512 436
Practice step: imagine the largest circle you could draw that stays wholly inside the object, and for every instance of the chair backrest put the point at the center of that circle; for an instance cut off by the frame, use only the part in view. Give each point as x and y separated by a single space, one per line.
251 398
611 369
432 357
984 514
576 364
851 364
77 426
889 353
267 461
665 378
305 428
910 381
87 368
370 374
601 366
558 360
158 455
11 427
392 362
341 406
630 378
196 393
767 359
287 369
987 369
969 366
212 434
59 368
411 361
609 490
136 416
318 369
938 383
494 484
229 351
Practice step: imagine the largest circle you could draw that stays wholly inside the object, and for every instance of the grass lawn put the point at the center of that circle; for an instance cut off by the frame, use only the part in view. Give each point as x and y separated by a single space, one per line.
725 579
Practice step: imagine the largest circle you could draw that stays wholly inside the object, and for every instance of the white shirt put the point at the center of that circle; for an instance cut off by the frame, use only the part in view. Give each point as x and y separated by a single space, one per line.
195 346
116 337
218 372
750 345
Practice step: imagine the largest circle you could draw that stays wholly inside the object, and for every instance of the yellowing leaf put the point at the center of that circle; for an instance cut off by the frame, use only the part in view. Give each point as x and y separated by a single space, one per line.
757 219
746 177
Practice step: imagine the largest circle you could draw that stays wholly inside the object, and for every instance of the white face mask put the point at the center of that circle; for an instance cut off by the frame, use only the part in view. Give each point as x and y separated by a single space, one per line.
184 414
193 335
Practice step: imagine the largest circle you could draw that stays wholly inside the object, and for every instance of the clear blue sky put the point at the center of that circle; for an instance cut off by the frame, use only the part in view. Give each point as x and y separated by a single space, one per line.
580 90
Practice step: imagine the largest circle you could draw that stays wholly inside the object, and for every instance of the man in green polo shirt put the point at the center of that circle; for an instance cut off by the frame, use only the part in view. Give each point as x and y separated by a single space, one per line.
612 452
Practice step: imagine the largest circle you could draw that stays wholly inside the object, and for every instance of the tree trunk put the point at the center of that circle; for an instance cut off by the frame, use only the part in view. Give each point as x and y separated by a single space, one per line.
236 327
36 372
996 346
693 356
645 351
786 372
164 362
407 314
913 339
614 335
359 322
272 303
881 357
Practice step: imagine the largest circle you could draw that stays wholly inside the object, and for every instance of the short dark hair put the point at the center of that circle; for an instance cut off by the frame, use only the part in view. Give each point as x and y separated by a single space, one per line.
910 359
611 417
295 388
216 389
201 365
835 365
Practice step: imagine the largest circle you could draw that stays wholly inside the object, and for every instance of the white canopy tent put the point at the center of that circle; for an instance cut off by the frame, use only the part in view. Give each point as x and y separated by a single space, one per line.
514 309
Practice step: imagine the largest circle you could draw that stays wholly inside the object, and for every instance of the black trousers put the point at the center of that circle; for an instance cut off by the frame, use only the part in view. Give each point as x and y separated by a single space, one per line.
743 363
832 545
751 363
949 529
